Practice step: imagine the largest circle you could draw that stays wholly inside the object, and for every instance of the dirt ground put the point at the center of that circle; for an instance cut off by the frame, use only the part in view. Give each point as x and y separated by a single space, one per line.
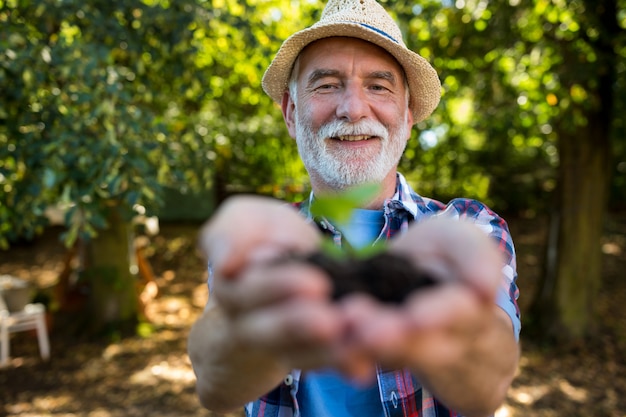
151 375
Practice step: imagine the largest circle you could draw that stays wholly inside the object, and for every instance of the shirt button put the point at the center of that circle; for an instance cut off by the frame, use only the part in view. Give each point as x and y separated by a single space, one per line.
394 399
288 380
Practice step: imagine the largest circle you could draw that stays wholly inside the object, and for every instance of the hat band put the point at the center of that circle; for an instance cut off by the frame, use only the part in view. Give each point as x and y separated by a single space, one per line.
375 29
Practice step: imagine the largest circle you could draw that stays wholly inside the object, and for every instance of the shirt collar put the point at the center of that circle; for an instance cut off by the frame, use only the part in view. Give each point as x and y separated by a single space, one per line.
404 197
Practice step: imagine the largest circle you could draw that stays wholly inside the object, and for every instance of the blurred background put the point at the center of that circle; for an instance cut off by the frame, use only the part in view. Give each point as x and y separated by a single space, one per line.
124 123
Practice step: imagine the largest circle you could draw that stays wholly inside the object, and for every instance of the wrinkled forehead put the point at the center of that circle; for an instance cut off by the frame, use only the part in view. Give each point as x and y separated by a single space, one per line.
332 49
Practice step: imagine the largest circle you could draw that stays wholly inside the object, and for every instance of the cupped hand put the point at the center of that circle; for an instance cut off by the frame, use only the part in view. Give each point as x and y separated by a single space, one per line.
250 229
437 326
284 311
276 305
453 251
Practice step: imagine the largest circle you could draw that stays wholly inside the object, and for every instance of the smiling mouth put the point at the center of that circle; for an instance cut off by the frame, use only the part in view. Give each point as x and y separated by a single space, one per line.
353 138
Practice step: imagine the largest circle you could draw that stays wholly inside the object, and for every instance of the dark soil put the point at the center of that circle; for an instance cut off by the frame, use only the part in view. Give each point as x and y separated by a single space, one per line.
388 277
150 375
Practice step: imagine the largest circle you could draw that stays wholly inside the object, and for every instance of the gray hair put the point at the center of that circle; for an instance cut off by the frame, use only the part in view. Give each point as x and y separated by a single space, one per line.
293 79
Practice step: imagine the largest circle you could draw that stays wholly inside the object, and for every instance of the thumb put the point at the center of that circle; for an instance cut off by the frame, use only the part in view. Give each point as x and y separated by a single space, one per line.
249 229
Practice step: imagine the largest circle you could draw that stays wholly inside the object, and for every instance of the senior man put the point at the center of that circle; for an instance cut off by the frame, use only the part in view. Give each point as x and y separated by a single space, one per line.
272 339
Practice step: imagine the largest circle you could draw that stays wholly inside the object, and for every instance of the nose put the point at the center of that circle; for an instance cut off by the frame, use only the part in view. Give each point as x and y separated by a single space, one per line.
352 105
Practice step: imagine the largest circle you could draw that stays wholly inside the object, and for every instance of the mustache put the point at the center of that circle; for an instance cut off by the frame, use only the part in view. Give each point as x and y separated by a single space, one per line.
365 127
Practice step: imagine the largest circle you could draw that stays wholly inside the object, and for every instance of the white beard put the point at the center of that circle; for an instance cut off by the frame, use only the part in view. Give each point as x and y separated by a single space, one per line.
345 168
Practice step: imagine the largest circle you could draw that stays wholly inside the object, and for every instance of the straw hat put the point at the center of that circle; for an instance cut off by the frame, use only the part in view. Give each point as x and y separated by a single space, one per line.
367 20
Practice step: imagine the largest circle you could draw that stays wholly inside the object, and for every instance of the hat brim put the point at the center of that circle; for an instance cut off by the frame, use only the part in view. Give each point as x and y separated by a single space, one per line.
423 81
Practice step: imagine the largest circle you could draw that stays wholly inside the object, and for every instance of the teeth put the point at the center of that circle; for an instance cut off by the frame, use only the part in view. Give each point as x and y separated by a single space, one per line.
353 138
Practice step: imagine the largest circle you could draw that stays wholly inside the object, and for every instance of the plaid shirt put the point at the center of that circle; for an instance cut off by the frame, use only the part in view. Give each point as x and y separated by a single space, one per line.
401 393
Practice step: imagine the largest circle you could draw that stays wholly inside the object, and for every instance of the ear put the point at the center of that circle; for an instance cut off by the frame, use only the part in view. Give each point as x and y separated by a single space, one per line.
409 121
289 113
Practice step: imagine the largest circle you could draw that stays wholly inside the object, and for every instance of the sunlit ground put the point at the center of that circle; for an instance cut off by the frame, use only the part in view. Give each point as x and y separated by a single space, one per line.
152 375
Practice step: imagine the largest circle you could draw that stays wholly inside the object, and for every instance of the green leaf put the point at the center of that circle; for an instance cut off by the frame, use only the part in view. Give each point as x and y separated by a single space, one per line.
338 207
369 251
328 247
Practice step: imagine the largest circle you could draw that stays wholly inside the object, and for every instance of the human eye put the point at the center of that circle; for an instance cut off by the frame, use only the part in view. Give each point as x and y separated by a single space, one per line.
326 87
382 82
324 80
379 87
327 84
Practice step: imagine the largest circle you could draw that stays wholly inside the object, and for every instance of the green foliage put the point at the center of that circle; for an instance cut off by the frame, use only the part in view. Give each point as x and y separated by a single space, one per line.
516 76
112 100
247 142
109 101
84 120
338 207
531 97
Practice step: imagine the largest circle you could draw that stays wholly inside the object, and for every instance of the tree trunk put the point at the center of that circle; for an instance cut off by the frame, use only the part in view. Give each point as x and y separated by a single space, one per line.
112 301
565 306
220 174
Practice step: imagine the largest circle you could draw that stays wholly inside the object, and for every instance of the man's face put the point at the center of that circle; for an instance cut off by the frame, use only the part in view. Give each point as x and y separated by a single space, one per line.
351 119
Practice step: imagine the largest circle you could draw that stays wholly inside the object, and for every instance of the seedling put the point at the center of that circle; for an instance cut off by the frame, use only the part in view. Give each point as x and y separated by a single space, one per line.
338 209
371 269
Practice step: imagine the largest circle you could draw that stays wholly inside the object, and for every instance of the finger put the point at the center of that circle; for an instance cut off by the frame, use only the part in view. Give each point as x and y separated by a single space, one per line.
395 335
453 250
265 284
387 331
298 325
251 228
378 330
449 305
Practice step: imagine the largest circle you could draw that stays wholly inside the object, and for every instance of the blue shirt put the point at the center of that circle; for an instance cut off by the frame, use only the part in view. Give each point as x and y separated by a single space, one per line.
363 227
326 392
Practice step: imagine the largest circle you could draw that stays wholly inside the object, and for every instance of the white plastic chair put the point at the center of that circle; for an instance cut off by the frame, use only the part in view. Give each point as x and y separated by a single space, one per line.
32 317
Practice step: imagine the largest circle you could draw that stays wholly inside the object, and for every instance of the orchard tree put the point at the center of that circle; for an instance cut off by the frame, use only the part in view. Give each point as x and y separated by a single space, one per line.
585 41
93 95
246 141
528 117
107 102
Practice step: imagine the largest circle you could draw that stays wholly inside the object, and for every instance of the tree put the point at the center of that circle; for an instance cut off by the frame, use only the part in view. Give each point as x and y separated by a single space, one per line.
92 93
246 138
590 55
108 102
529 90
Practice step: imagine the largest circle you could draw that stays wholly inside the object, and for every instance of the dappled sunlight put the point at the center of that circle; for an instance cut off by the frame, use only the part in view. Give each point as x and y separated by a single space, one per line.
41 275
168 275
47 402
100 413
504 411
612 248
528 395
200 295
151 374
43 402
169 311
180 373
557 384
576 394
